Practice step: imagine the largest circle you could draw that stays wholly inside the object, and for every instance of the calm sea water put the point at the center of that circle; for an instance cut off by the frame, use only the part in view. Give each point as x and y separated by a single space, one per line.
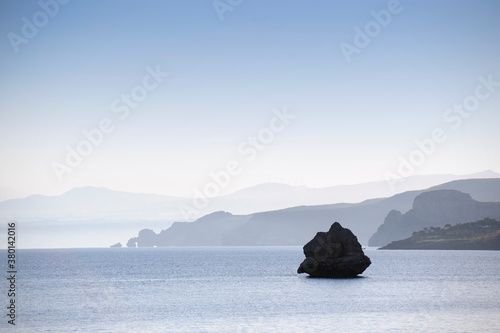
252 290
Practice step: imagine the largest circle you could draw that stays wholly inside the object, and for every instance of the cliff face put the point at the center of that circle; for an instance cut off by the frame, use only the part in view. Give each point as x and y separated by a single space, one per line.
433 209
147 238
206 231
480 235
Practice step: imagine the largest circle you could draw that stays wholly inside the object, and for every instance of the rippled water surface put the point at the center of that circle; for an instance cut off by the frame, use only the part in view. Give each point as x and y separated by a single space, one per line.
252 290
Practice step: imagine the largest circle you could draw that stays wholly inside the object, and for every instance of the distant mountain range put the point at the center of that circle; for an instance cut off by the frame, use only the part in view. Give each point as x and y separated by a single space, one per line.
267 197
295 226
433 209
89 203
100 203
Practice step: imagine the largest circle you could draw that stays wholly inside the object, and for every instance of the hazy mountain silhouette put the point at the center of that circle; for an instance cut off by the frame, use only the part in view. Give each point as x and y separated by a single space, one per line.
433 209
90 203
294 226
266 197
101 203
479 189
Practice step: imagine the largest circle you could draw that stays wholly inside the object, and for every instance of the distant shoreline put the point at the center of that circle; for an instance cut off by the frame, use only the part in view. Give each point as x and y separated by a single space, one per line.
479 235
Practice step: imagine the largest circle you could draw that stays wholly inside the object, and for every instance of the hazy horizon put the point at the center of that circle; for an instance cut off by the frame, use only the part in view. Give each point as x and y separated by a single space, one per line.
163 97
399 189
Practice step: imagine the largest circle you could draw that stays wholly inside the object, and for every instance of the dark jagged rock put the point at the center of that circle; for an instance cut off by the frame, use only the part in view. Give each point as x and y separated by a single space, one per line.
116 245
334 254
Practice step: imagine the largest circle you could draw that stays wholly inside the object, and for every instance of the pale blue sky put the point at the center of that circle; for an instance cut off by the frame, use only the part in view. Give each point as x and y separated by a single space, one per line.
353 120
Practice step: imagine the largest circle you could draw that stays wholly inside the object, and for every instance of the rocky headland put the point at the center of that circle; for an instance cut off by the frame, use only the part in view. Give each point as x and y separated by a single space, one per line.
480 235
433 209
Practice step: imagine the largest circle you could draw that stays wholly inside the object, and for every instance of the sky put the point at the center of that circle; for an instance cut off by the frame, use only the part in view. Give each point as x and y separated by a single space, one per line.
168 96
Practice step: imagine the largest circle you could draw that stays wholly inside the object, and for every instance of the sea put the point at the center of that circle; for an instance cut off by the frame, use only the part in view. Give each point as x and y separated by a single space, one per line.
249 289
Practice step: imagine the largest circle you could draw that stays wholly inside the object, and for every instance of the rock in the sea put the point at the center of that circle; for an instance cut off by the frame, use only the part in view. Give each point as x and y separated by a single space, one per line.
334 254
116 245
146 238
132 242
